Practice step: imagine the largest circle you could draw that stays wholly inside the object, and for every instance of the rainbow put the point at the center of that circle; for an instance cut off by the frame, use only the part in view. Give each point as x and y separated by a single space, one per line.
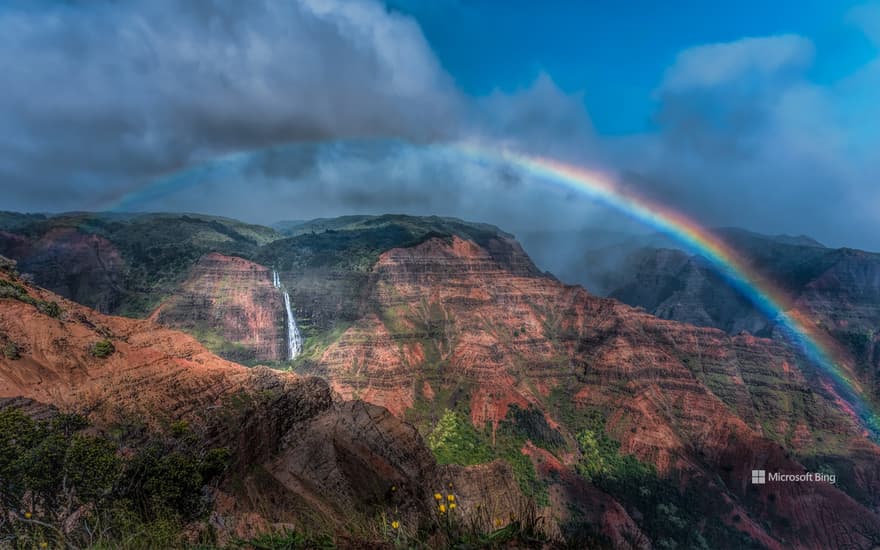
816 345
763 293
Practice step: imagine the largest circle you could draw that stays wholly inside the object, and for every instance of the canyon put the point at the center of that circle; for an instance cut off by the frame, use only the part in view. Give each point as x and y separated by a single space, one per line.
447 335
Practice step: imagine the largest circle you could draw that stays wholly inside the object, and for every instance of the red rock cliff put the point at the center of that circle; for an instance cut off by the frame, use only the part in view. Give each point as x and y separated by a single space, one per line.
232 300
693 401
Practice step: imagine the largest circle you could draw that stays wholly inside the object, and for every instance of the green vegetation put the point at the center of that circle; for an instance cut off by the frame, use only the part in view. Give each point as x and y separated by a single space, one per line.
447 529
15 291
455 441
11 351
157 251
103 348
161 248
518 426
355 243
132 490
530 423
285 540
314 344
671 518
521 529
214 341
7 265
104 492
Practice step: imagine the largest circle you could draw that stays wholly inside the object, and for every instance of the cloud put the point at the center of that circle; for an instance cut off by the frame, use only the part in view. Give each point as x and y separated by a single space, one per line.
120 91
745 137
541 118
713 65
110 96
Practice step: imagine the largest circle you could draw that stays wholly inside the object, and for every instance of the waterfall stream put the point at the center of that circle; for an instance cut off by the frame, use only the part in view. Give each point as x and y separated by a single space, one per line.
294 338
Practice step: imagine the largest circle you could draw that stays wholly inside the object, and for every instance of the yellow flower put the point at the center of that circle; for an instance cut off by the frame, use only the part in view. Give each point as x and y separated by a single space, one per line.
393 488
44 544
452 506
395 524
442 508
497 522
27 515
450 485
450 498
438 496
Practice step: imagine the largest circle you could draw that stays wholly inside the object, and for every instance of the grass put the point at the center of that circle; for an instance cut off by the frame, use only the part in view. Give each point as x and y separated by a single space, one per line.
315 342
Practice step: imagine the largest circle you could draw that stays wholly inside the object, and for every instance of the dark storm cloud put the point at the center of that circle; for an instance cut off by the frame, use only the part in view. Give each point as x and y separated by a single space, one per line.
121 91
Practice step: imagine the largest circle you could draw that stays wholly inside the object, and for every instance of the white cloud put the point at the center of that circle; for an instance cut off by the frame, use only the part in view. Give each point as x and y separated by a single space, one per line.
720 64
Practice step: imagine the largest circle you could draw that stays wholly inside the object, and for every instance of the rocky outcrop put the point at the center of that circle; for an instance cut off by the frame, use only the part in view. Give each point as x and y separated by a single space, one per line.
231 303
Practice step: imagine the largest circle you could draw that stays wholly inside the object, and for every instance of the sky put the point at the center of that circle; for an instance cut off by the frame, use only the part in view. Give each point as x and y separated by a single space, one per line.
762 115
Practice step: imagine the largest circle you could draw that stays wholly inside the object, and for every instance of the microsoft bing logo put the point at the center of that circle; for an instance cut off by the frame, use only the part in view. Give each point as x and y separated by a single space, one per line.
759 477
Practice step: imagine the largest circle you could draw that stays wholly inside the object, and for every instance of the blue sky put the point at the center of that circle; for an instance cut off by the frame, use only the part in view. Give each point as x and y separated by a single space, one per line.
617 51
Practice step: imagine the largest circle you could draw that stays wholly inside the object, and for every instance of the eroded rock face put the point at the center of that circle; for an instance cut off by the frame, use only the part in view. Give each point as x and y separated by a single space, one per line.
300 454
86 268
839 288
232 301
700 405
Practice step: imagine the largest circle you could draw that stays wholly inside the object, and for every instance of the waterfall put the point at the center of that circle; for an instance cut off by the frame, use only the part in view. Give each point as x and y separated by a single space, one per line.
294 338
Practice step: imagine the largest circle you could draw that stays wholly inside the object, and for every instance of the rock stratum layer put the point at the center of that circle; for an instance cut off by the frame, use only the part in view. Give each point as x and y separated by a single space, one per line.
232 302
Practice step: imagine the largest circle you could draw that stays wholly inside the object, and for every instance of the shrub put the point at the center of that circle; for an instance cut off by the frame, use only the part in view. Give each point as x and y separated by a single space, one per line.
9 289
7 264
531 424
92 466
11 351
52 309
103 348
140 499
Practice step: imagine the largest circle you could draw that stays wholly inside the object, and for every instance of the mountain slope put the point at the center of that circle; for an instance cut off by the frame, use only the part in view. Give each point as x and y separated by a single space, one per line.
445 326
329 462
625 428
122 264
840 288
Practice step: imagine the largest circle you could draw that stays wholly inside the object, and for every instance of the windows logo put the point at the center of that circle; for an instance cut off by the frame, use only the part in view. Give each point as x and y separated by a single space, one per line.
759 477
